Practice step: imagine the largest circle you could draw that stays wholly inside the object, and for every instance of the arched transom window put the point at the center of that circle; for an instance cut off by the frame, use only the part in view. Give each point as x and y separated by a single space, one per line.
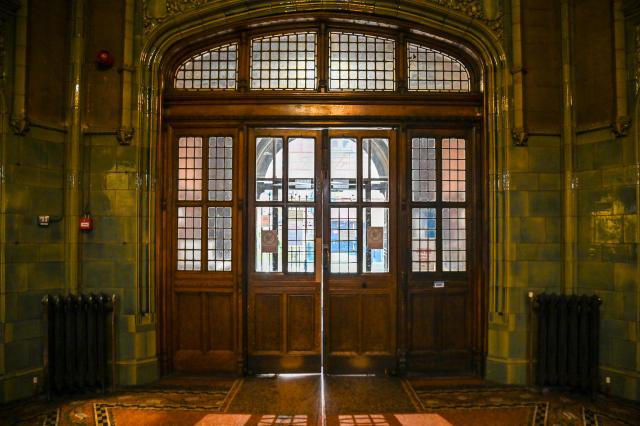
327 60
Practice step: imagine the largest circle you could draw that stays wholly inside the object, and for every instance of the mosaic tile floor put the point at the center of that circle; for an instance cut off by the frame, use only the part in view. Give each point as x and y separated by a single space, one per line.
320 401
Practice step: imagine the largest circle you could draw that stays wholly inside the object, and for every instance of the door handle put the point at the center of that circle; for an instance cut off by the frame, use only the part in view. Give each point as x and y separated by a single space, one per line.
364 285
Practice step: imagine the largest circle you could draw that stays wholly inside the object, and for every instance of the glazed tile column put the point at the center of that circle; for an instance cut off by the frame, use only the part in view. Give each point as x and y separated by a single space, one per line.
569 216
73 154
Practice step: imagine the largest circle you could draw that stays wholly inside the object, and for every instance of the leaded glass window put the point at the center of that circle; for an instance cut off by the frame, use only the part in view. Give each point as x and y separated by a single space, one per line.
434 71
361 62
439 198
285 62
215 69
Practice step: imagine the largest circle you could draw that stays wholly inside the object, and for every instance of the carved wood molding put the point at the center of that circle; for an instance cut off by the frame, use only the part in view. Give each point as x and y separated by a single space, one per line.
158 11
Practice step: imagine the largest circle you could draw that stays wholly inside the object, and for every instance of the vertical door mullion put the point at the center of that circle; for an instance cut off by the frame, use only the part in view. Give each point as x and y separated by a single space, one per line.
285 203
359 204
438 206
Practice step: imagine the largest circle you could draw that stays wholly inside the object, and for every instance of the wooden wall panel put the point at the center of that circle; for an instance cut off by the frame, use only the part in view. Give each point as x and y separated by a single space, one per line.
267 322
220 308
542 60
189 321
594 63
376 323
344 322
48 60
301 322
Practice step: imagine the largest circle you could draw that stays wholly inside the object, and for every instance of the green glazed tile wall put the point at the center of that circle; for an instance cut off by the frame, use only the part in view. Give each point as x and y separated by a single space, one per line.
34 256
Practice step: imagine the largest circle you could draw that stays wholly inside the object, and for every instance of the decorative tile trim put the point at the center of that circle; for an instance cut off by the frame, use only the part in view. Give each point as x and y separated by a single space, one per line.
158 11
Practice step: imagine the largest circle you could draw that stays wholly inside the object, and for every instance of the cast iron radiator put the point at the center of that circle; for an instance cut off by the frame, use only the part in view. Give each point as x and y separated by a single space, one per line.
79 342
567 341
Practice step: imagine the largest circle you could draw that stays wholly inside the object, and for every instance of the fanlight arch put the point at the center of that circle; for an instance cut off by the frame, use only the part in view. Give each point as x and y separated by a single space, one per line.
337 60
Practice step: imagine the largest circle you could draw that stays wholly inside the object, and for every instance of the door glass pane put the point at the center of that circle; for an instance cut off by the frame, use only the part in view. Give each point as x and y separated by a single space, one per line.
268 239
301 169
219 239
189 238
220 168
190 168
344 240
423 169
375 169
423 240
301 233
268 169
375 253
454 240
344 169
453 169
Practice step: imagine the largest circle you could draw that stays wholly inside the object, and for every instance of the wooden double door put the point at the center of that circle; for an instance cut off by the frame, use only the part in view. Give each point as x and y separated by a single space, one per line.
329 249
322 281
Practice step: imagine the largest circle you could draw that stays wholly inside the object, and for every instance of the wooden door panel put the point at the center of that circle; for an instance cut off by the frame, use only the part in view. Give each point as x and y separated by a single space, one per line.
220 310
455 327
377 324
205 331
284 329
267 323
189 321
422 308
302 329
344 322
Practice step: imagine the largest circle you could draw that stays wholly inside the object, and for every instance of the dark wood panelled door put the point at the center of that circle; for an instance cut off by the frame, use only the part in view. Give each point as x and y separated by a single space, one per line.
322 228
442 292
203 259
359 236
284 281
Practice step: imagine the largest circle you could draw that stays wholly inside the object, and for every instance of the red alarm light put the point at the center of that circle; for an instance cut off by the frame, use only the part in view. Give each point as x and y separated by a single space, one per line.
86 223
104 59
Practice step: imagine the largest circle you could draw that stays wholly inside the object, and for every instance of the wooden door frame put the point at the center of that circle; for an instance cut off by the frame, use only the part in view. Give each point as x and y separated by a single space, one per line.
401 112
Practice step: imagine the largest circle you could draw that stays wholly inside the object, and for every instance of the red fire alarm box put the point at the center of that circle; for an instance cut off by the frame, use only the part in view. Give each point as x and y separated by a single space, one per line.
86 223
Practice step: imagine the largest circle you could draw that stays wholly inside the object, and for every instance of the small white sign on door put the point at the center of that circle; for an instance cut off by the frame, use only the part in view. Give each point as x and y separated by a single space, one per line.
269 241
375 237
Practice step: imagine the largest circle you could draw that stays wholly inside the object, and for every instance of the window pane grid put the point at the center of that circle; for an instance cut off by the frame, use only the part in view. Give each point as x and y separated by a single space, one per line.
344 240
423 169
269 168
375 244
286 62
361 62
300 242
190 168
219 238
454 244
189 238
423 239
268 239
220 168
434 71
375 169
453 170
215 69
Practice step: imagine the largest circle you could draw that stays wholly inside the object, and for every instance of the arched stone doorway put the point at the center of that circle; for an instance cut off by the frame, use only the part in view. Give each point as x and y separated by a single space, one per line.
403 120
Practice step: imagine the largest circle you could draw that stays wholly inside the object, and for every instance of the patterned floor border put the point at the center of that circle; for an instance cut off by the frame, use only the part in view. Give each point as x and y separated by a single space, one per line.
101 412
541 408
51 418
590 418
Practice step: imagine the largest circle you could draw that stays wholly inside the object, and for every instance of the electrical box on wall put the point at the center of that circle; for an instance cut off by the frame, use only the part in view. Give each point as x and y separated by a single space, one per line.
86 223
